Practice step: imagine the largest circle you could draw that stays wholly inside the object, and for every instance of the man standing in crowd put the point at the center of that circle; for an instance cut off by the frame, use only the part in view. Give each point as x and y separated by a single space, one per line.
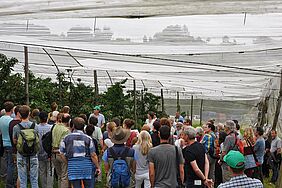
79 152
209 144
119 137
45 170
22 160
178 117
59 132
101 119
8 149
259 149
163 167
228 144
196 161
236 164
275 152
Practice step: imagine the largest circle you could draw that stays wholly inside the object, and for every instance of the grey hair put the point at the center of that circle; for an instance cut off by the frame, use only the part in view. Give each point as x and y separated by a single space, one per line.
190 132
230 125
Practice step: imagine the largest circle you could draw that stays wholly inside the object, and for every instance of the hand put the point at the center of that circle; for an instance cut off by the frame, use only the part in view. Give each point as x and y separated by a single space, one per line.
98 171
219 162
208 183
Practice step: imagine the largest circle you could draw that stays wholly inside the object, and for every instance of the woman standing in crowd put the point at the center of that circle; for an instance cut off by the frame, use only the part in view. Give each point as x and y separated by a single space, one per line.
142 147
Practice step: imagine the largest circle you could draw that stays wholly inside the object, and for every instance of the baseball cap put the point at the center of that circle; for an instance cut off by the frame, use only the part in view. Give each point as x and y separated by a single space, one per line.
97 108
234 159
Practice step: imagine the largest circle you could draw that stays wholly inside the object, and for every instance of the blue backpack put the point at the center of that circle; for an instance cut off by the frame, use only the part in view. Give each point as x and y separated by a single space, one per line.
120 173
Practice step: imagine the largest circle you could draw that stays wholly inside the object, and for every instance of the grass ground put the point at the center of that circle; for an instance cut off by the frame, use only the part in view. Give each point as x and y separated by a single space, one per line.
267 183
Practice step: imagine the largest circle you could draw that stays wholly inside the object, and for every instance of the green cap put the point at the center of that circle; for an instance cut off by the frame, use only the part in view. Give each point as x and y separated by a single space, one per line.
97 108
234 159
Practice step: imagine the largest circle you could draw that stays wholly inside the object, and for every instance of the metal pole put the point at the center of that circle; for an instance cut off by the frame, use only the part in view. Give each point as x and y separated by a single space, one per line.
134 97
201 112
26 73
177 103
96 91
162 99
278 105
191 110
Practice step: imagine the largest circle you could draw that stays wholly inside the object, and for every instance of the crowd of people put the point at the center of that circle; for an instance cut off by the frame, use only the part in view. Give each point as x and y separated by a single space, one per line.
49 148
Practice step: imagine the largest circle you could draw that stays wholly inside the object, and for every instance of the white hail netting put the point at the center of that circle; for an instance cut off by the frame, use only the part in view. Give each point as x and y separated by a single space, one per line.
235 70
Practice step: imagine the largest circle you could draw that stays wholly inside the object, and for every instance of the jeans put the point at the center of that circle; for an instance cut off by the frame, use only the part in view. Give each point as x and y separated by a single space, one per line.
140 178
3 168
8 155
44 174
77 183
275 171
212 162
22 163
61 170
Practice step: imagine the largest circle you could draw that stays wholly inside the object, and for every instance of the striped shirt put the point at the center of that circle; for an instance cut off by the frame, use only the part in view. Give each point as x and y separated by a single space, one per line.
78 147
242 181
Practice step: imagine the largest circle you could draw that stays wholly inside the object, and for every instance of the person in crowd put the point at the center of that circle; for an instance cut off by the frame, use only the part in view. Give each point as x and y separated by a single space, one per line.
59 132
44 169
196 161
146 127
266 158
53 118
142 148
128 124
65 110
248 142
7 143
119 137
239 135
180 142
78 150
117 122
236 164
111 126
151 119
89 129
165 162
228 145
84 117
178 117
187 122
200 134
54 107
179 128
34 116
101 119
97 134
155 133
259 149
208 142
275 153
21 160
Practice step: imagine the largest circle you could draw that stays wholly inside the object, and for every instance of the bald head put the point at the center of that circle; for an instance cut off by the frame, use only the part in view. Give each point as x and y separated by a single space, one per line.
78 123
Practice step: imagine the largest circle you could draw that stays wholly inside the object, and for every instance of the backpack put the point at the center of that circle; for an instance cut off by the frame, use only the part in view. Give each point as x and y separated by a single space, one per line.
214 150
239 144
47 142
28 141
120 173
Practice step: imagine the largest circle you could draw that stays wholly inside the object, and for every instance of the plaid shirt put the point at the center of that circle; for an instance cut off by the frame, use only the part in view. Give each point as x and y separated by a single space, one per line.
242 181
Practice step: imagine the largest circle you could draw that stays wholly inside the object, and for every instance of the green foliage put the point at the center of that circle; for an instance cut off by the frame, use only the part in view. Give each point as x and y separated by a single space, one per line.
80 97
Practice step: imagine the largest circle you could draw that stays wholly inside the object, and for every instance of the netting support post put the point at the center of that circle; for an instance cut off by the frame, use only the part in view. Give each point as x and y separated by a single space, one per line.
201 112
135 103
191 111
177 102
162 101
96 87
278 105
26 74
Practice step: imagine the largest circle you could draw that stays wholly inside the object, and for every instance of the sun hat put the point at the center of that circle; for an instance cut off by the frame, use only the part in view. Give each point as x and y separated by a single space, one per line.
234 159
120 135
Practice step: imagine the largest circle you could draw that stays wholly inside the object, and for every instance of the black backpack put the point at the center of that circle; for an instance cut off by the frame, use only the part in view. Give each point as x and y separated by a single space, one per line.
47 142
